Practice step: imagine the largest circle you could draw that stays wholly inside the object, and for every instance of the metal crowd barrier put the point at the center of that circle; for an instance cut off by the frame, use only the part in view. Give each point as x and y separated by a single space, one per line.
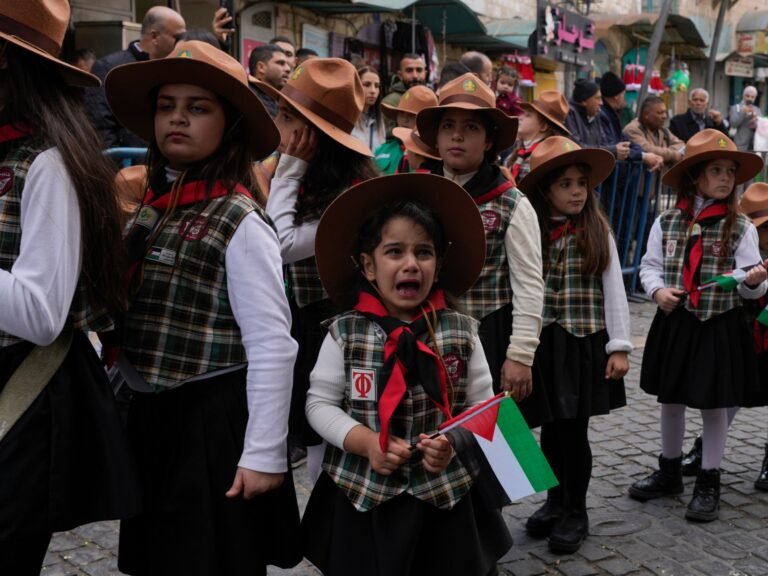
127 156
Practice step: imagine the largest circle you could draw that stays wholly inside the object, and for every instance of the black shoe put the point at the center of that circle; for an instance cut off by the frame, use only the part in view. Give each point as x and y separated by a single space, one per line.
667 480
762 479
705 503
540 523
692 460
298 455
569 532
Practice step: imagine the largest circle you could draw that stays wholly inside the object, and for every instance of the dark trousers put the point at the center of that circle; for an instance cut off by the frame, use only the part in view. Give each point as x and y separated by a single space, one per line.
565 443
23 554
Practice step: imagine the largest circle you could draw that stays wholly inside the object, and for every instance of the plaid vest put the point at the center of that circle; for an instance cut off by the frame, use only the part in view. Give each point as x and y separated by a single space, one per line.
305 282
571 298
492 289
180 323
674 237
363 343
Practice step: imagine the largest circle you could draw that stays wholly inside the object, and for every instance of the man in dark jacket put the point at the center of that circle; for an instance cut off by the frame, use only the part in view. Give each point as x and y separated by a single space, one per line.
159 31
583 119
697 117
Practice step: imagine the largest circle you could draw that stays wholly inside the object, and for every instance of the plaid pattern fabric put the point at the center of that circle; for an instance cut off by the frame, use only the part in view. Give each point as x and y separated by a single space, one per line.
363 344
305 282
180 324
492 289
674 237
571 299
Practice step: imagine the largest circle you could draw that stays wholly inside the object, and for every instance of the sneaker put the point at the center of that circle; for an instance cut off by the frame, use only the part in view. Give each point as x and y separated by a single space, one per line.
298 455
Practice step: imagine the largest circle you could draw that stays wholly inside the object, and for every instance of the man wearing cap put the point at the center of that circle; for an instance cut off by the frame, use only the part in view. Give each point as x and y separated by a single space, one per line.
269 63
743 118
697 117
160 30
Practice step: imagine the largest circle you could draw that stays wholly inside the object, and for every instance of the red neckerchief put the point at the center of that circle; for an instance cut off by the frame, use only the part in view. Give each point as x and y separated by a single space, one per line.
407 360
490 195
560 230
694 248
10 132
522 154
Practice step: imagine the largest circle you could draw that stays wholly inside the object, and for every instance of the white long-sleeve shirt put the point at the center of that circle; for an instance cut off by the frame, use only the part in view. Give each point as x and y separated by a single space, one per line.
615 305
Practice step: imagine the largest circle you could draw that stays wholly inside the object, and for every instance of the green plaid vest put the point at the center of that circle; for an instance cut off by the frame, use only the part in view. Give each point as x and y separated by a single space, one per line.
674 237
492 289
572 299
305 282
180 324
363 343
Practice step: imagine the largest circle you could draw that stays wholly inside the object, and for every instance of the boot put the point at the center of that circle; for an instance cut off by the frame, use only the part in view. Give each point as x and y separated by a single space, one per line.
705 503
569 532
540 523
762 479
665 481
692 460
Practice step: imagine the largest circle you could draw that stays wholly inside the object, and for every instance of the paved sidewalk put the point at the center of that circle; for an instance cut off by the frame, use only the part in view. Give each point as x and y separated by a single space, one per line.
626 537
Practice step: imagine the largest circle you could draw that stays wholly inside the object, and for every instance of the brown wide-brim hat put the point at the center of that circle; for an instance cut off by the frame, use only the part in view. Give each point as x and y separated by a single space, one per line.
413 101
413 143
557 151
754 203
468 92
130 90
328 93
707 145
39 26
553 106
339 228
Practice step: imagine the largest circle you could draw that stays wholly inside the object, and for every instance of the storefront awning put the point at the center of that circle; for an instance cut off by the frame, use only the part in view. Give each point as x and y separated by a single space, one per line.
680 32
755 21
513 31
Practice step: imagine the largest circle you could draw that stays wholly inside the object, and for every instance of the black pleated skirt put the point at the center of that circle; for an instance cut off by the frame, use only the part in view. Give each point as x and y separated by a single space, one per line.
187 443
703 365
495 330
572 372
66 461
401 537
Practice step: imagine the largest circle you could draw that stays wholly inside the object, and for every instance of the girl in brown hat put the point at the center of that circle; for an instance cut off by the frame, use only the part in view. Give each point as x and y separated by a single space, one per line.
507 299
398 362
320 158
582 357
206 339
64 459
699 351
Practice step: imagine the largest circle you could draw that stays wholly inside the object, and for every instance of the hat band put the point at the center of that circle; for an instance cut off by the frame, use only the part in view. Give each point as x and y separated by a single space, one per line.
757 214
551 114
317 108
29 35
465 99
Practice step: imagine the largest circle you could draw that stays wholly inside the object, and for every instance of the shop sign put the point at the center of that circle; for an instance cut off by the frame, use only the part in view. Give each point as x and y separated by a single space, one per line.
744 67
749 43
316 38
564 36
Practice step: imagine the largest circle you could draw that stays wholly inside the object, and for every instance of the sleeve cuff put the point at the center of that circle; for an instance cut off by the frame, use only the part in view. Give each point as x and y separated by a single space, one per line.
618 345
268 465
516 354
291 167
752 293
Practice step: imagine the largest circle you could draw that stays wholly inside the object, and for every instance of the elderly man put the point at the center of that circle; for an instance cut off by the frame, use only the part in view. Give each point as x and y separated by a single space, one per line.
160 30
479 64
743 118
648 131
697 117
270 64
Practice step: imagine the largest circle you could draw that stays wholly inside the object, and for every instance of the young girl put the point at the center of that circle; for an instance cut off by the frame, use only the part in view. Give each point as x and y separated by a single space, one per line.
507 299
542 118
370 127
582 357
392 501
64 459
206 340
506 92
319 106
699 351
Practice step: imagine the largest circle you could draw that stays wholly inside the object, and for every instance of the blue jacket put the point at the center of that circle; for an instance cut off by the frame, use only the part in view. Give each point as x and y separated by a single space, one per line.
613 133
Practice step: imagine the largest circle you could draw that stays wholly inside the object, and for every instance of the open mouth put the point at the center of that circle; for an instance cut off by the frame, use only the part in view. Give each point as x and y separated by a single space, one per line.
408 288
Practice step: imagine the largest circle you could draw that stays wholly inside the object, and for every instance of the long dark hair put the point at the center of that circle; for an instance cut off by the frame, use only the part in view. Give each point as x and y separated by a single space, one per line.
37 97
333 169
591 226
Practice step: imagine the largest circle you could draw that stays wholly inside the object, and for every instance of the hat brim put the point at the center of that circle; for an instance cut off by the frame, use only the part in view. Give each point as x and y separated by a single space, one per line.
339 228
129 89
600 161
549 117
405 135
748 166
331 130
506 126
72 75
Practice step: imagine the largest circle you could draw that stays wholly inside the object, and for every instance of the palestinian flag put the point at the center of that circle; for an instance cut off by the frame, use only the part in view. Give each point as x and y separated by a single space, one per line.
497 448
728 281
763 316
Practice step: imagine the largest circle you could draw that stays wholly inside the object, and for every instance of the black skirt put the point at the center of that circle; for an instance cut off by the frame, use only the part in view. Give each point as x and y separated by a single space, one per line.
66 461
187 443
495 330
402 536
703 365
572 371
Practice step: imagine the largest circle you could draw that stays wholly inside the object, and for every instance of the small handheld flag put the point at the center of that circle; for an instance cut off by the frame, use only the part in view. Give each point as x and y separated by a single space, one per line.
497 448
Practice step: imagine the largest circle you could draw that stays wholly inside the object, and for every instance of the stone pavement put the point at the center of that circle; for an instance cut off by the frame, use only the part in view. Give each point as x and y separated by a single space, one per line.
626 537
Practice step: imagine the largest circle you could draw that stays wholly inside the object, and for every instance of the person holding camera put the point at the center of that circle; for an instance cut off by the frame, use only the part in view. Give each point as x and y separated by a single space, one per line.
743 117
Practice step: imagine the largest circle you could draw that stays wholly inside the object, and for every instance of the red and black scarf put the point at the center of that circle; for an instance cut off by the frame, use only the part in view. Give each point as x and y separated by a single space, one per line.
521 156
407 360
11 132
560 229
694 249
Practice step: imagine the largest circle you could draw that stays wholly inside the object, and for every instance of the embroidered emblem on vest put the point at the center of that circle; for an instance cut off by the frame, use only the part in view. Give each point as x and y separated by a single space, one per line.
6 180
454 365
716 248
147 217
491 220
193 228
671 247
363 385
